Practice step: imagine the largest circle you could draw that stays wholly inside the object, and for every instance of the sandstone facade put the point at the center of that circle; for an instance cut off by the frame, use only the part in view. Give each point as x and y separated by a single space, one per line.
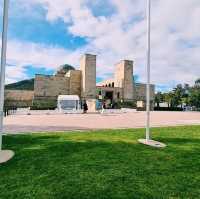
124 78
18 98
47 86
83 83
88 83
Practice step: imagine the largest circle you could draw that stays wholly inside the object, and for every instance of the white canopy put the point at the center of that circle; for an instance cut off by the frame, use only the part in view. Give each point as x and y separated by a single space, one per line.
68 103
68 97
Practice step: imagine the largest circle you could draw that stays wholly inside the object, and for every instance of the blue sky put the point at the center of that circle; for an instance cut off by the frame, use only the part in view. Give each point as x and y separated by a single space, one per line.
44 34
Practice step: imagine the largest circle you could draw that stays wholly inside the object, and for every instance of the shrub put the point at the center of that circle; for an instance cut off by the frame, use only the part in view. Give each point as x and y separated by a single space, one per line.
168 109
125 104
47 104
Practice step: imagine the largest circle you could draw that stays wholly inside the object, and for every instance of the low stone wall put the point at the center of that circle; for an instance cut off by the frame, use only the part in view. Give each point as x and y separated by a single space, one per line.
19 95
18 98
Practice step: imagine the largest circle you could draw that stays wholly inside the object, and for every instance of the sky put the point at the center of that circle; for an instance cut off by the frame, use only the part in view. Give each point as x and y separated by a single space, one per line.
44 34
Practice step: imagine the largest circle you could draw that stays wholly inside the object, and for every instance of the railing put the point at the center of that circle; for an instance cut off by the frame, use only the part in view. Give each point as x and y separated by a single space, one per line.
9 110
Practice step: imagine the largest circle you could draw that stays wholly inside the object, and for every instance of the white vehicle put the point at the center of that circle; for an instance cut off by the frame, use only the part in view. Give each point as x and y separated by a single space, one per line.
69 104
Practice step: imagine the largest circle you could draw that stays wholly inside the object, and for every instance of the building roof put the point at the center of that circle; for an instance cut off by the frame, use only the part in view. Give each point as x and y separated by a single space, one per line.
107 81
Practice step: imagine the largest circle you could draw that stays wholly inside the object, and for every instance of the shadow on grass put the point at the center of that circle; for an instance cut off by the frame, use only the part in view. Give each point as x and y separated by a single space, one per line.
179 141
57 166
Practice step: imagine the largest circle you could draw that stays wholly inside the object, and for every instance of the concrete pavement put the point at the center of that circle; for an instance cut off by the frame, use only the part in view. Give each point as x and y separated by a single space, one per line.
69 122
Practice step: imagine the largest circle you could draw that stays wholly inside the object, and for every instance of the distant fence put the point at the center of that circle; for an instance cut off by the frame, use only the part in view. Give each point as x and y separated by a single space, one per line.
168 109
9 110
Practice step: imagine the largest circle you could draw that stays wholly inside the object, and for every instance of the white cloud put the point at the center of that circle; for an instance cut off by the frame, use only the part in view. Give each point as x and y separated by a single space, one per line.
15 73
122 34
22 54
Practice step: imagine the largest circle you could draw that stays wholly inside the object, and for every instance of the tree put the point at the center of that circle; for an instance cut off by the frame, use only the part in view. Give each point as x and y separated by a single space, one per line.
194 94
176 96
158 98
197 82
63 69
186 94
195 97
168 98
180 95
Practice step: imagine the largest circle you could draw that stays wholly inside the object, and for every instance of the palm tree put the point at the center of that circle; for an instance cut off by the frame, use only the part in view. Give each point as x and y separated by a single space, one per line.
168 97
158 98
197 82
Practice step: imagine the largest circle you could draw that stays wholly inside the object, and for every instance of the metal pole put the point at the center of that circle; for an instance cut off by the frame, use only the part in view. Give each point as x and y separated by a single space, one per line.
148 70
3 65
148 141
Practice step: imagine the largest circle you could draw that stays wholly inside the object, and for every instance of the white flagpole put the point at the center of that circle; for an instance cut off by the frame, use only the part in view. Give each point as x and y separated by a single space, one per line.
3 65
148 140
148 70
5 155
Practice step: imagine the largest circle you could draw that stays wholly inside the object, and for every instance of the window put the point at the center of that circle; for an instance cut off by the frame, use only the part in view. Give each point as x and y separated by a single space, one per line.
99 92
113 84
68 104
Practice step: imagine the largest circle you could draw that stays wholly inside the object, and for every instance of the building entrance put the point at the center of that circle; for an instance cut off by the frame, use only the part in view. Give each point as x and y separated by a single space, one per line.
109 95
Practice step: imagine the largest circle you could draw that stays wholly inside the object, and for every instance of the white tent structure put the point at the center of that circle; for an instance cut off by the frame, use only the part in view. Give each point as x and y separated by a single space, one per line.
5 155
68 103
148 140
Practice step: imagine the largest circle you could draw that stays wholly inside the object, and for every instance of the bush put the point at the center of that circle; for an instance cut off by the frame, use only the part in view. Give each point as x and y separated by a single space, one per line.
46 104
126 104
168 109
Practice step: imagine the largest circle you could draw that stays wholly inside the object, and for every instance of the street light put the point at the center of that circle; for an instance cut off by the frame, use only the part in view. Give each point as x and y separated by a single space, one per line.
5 155
148 140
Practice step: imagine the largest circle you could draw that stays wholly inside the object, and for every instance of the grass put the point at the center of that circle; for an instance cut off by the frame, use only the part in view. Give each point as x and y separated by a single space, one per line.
102 165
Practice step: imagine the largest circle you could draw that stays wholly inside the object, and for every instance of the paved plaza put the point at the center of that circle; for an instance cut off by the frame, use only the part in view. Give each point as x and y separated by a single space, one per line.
67 122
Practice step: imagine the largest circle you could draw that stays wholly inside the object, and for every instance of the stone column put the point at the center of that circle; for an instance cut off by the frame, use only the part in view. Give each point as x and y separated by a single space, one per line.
88 68
124 78
88 83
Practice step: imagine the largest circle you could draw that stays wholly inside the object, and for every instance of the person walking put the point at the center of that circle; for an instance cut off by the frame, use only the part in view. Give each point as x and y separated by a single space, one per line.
103 107
85 107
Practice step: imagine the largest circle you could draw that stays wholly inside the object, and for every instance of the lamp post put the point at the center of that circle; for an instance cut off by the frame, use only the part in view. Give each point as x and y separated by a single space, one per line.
5 155
148 140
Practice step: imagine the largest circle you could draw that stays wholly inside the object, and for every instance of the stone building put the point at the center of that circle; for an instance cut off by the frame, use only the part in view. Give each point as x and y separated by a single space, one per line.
18 98
83 83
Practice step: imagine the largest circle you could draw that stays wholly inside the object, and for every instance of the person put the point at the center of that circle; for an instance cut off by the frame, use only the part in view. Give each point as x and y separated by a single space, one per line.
85 107
103 107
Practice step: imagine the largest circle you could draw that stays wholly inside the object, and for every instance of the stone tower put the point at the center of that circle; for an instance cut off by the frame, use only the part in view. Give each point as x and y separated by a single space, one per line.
124 78
88 68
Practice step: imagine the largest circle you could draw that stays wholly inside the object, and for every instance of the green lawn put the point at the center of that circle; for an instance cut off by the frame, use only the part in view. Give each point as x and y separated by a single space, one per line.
103 165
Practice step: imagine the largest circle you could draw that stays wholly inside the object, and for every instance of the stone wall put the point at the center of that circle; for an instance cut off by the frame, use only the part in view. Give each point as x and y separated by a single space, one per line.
83 83
47 86
18 98
75 82
124 78
88 68
139 91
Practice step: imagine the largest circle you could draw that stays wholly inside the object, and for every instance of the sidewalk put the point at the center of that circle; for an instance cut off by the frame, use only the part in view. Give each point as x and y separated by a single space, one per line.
69 122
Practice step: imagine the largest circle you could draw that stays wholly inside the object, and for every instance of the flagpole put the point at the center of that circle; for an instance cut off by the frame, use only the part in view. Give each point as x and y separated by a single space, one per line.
148 141
3 64
5 155
148 70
